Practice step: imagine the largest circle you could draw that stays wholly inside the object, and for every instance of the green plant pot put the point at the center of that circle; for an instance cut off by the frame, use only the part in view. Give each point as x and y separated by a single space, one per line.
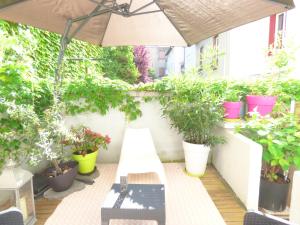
86 164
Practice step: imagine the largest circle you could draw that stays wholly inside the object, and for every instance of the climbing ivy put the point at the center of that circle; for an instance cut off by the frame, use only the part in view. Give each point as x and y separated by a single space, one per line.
95 94
43 48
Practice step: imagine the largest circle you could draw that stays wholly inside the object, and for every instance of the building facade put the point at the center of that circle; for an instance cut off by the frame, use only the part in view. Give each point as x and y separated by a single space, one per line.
244 50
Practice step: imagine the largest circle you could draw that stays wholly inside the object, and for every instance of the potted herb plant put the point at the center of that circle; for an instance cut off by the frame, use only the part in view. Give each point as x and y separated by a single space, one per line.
196 121
85 144
280 138
51 133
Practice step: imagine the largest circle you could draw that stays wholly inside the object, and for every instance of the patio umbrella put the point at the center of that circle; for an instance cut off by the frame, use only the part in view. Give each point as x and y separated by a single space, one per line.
139 22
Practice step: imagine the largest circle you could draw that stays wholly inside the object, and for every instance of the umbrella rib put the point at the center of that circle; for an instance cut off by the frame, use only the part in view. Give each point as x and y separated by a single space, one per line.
177 29
101 41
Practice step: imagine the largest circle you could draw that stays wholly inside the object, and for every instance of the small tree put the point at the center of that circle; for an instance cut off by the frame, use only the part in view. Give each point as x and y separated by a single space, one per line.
142 61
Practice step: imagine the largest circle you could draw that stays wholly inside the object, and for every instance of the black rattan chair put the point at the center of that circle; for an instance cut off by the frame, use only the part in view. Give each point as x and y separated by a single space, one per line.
258 218
11 216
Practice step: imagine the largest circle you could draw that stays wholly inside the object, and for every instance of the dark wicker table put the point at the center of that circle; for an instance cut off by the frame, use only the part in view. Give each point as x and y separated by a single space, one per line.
139 202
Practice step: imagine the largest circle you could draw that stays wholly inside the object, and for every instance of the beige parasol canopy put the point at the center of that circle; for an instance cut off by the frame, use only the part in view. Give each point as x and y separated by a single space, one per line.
139 22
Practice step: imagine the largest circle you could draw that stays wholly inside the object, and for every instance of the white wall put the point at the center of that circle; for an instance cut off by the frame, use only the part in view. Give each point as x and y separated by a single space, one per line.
167 141
248 48
293 33
239 163
174 61
190 60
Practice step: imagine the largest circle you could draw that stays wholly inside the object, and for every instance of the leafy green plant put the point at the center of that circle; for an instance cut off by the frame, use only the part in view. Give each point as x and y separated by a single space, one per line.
209 60
18 131
232 95
282 57
51 134
280 139
96 94
195 120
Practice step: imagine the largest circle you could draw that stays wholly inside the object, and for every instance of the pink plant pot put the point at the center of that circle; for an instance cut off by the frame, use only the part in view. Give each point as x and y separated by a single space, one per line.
263 104
232 110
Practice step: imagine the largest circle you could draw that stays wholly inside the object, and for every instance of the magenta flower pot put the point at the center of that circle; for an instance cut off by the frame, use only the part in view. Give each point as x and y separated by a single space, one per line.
263 104
232 110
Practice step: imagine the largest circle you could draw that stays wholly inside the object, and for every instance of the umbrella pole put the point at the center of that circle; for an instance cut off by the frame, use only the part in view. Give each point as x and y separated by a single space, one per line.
66 39
101 8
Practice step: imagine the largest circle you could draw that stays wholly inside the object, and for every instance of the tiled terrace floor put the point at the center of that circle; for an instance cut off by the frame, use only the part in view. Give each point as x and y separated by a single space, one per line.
228 205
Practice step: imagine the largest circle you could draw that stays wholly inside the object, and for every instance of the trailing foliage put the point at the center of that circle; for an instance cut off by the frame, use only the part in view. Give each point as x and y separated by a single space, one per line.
99 95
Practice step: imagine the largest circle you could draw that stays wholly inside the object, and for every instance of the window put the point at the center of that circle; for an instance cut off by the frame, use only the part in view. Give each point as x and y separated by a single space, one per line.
201 58
277 30
281 18
215 53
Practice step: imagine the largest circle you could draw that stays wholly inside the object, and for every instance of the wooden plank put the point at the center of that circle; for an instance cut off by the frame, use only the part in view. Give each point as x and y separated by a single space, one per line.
224 198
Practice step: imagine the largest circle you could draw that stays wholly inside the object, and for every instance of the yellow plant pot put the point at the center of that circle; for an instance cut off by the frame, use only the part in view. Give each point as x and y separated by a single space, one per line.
86 164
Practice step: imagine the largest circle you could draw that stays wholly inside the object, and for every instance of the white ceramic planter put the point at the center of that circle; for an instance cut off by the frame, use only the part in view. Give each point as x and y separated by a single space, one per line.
195 158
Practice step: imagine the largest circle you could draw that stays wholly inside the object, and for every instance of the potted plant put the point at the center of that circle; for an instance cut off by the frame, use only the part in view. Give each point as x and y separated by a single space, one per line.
280 138
86 144
196 121
51 133
232 104
261 99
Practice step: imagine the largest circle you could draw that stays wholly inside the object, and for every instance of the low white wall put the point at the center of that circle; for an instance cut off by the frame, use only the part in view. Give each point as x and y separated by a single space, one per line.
166 140
295 200
239 163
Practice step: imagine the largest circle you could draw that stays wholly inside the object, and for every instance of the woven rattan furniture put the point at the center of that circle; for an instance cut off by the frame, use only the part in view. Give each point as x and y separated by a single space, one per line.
258 218
11 216
139 202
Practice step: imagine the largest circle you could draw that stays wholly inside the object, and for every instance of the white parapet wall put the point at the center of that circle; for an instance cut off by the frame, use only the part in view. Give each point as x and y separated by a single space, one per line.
295 200
239 163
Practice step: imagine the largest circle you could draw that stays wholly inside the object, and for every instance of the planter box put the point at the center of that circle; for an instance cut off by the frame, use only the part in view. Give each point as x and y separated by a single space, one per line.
239 163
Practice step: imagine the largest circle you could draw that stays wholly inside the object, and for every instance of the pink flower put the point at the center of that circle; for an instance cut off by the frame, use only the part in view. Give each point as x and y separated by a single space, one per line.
107 139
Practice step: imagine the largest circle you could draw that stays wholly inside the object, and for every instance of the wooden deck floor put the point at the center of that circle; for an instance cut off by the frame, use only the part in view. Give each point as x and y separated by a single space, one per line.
224 198
229 206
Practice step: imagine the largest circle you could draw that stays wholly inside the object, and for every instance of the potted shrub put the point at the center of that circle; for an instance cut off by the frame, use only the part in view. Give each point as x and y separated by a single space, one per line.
280 138
232 104
85 144
196 121
51 133
261 99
